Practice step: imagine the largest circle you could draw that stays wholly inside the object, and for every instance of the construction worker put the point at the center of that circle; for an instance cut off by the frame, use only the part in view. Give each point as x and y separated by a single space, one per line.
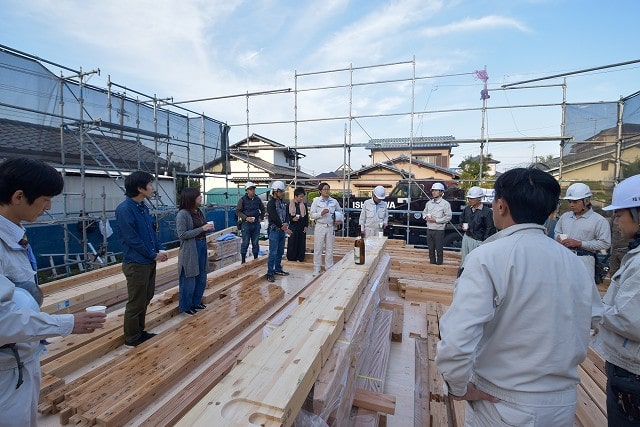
477 221
437 213
581 229
278 212
374 215
250 211
326 212
520 319
619 336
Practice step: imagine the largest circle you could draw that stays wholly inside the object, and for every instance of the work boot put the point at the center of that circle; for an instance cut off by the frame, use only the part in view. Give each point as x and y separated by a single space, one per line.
244 258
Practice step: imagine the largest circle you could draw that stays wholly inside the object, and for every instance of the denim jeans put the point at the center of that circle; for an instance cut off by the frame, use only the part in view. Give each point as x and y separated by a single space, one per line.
276 250
250 231
192 288
623 396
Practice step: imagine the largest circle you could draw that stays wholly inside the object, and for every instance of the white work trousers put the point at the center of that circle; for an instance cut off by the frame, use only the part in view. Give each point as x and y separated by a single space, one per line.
19 407
322 236
482 413
372 231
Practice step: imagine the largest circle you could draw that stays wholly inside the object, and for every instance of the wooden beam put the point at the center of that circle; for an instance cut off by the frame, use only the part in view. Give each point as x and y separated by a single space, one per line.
375 401
272 382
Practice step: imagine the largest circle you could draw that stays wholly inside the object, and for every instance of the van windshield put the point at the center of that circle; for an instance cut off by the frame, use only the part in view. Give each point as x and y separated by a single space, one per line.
402 190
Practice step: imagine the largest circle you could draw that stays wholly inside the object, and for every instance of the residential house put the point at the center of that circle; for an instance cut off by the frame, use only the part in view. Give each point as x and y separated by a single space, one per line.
430 158
595 162
360 183
260 160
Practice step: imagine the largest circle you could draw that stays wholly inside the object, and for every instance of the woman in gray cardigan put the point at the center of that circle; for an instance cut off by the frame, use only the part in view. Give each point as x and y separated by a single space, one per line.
191 228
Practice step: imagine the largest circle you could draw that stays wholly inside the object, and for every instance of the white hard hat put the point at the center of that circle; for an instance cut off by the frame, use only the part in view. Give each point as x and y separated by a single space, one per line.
437 186
379 192
248 185
475 193
338 216
277 185
578 191
626 194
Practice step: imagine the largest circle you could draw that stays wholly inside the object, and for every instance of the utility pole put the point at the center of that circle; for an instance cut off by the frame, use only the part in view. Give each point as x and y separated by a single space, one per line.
533 154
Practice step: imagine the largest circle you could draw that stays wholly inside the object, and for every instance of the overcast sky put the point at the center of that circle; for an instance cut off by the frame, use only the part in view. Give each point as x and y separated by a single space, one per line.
192 49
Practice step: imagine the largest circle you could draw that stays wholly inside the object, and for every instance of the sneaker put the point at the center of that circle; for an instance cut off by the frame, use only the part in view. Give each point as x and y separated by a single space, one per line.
190 312
270 278
282 273
199 307
147 335
135 343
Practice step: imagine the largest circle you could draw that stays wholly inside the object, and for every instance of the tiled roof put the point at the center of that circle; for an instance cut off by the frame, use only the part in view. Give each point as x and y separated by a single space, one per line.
255 137
281 172
418 142
20 139
571 161
423 163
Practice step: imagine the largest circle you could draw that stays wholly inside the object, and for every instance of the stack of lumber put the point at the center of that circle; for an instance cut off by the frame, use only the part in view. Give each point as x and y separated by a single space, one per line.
591 410
272 382
336 386
114 392
431 287
225 252
108 286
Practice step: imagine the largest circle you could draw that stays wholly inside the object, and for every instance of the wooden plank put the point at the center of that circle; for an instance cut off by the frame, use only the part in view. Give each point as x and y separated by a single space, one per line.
335 386
421 414
169 413
587 413
148 370
596 393
272 382
376 402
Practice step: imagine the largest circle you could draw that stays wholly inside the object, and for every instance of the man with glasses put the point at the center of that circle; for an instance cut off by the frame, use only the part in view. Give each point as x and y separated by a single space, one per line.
323 212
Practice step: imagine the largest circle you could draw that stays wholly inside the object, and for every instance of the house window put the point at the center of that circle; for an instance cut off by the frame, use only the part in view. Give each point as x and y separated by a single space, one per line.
604 166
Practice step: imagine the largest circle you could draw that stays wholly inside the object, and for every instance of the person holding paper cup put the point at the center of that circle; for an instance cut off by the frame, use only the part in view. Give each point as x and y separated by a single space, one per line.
27 187
585 232
299 215
191 228
437 213
374 215
479 220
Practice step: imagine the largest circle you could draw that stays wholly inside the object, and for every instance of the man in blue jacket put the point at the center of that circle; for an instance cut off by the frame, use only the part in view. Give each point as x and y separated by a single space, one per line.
141 252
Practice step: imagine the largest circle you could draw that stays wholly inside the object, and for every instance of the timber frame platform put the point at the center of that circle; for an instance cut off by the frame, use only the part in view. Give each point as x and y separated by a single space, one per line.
353 346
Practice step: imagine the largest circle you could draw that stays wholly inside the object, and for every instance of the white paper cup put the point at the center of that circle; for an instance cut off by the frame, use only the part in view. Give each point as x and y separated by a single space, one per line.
381 234
210 222
563 236
465 226
96 309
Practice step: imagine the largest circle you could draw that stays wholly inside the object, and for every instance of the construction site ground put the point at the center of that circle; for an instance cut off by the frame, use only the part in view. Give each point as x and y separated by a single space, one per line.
362 355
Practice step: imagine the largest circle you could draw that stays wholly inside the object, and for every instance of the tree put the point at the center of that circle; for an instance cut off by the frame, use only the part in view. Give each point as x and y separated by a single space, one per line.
631 168
184 182
470 175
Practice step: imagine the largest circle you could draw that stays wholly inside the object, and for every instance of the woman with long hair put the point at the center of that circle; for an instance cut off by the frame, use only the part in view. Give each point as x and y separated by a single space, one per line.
191 227
298 211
